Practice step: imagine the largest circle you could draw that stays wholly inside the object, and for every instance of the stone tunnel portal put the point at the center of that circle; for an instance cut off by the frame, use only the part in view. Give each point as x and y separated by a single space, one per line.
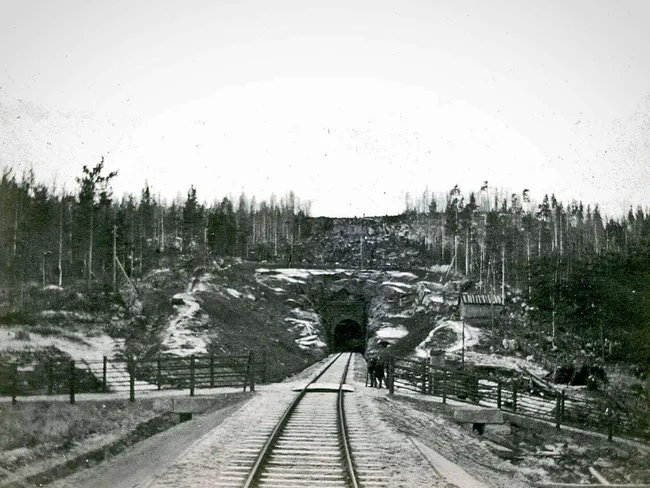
348 336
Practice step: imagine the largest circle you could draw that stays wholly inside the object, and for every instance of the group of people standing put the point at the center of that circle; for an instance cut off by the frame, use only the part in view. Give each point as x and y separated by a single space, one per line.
376 370
376 365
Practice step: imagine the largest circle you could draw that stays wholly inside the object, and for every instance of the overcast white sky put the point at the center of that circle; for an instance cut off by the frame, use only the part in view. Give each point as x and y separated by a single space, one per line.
349 103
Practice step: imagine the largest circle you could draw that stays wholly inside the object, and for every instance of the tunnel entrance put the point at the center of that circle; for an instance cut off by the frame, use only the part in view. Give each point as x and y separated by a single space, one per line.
348 336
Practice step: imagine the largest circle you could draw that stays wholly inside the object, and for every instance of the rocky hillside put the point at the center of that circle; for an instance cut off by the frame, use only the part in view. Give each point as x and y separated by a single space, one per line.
372 242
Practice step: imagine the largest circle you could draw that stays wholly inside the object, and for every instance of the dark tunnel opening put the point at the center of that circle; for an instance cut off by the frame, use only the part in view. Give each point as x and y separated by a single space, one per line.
348 336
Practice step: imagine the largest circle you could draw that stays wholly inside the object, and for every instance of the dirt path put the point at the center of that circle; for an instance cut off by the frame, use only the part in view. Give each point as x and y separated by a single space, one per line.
137 466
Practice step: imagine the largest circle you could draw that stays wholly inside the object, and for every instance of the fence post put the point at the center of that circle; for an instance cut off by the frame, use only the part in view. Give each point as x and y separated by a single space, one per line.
499 386
252 370
514 398
264 377
131 368
391 374
192 374
444 384
14 383
50 376
212 370
562 404
558 411
248 364
159 372
610 424
104 368
423 388
72 381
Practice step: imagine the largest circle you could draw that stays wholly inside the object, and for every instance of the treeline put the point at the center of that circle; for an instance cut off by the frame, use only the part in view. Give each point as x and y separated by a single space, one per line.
585 275
52 236
498 237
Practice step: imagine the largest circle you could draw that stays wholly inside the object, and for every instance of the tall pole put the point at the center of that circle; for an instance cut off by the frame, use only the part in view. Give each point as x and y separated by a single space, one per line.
503 273
61 243
45 253
361 252
205 244
90 248
462 357
115 258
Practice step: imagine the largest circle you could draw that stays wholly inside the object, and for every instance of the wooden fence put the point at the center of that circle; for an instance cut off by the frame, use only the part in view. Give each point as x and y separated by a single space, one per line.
518 397
55 377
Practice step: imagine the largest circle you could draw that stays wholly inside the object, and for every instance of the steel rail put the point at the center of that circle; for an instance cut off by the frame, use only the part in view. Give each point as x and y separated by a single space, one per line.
343 432
256 470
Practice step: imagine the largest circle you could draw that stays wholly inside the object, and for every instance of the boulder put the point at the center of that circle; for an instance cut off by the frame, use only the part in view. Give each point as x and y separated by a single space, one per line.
478 415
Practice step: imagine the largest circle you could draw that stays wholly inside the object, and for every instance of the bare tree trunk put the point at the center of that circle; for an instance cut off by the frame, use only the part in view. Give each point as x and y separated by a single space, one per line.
141 245
90 250
553 321
70 234
503 273
115 258
467 253
481 267
528 263
16 232
61 243
162 228
561 242
361 244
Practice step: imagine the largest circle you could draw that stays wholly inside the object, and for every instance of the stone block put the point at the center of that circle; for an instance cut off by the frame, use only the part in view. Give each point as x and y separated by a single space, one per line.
497 429
183 404
163 404
192 404
478 415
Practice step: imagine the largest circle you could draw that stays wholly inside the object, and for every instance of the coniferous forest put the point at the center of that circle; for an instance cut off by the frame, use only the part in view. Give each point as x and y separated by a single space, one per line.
582 273
585 276
57 237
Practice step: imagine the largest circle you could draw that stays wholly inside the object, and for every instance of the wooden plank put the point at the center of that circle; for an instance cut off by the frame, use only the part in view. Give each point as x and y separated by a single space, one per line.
582 485
598 476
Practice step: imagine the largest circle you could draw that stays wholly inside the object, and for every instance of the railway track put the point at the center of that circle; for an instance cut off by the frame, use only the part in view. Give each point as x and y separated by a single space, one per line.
310 444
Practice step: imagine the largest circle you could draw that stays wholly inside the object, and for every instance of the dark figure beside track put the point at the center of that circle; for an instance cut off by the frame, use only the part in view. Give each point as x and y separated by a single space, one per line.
371 365
380 367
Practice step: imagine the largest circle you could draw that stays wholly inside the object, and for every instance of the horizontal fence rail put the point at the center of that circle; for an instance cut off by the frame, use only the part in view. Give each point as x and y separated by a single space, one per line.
518 397
63 376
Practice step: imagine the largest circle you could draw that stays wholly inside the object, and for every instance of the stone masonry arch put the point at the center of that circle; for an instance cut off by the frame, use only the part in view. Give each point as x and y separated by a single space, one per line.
344 318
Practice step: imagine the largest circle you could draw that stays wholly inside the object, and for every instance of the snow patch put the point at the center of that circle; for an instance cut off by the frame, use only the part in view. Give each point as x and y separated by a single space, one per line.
472 337
310 342
398 284
506 362
307 325
233 292
403 315
393 332
289 279
52 288
398 290
402 274
179 339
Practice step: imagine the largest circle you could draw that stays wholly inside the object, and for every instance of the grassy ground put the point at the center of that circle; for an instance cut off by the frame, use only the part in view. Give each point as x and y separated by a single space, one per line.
31 430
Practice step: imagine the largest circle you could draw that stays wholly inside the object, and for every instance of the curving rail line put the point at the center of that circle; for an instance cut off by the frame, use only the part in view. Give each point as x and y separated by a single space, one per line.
310 445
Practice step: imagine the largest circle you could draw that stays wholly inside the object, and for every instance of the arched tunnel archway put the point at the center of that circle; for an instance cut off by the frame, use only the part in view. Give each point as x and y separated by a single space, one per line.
348 336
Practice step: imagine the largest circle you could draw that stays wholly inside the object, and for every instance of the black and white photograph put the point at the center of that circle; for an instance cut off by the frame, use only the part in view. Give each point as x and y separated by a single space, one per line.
342 244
